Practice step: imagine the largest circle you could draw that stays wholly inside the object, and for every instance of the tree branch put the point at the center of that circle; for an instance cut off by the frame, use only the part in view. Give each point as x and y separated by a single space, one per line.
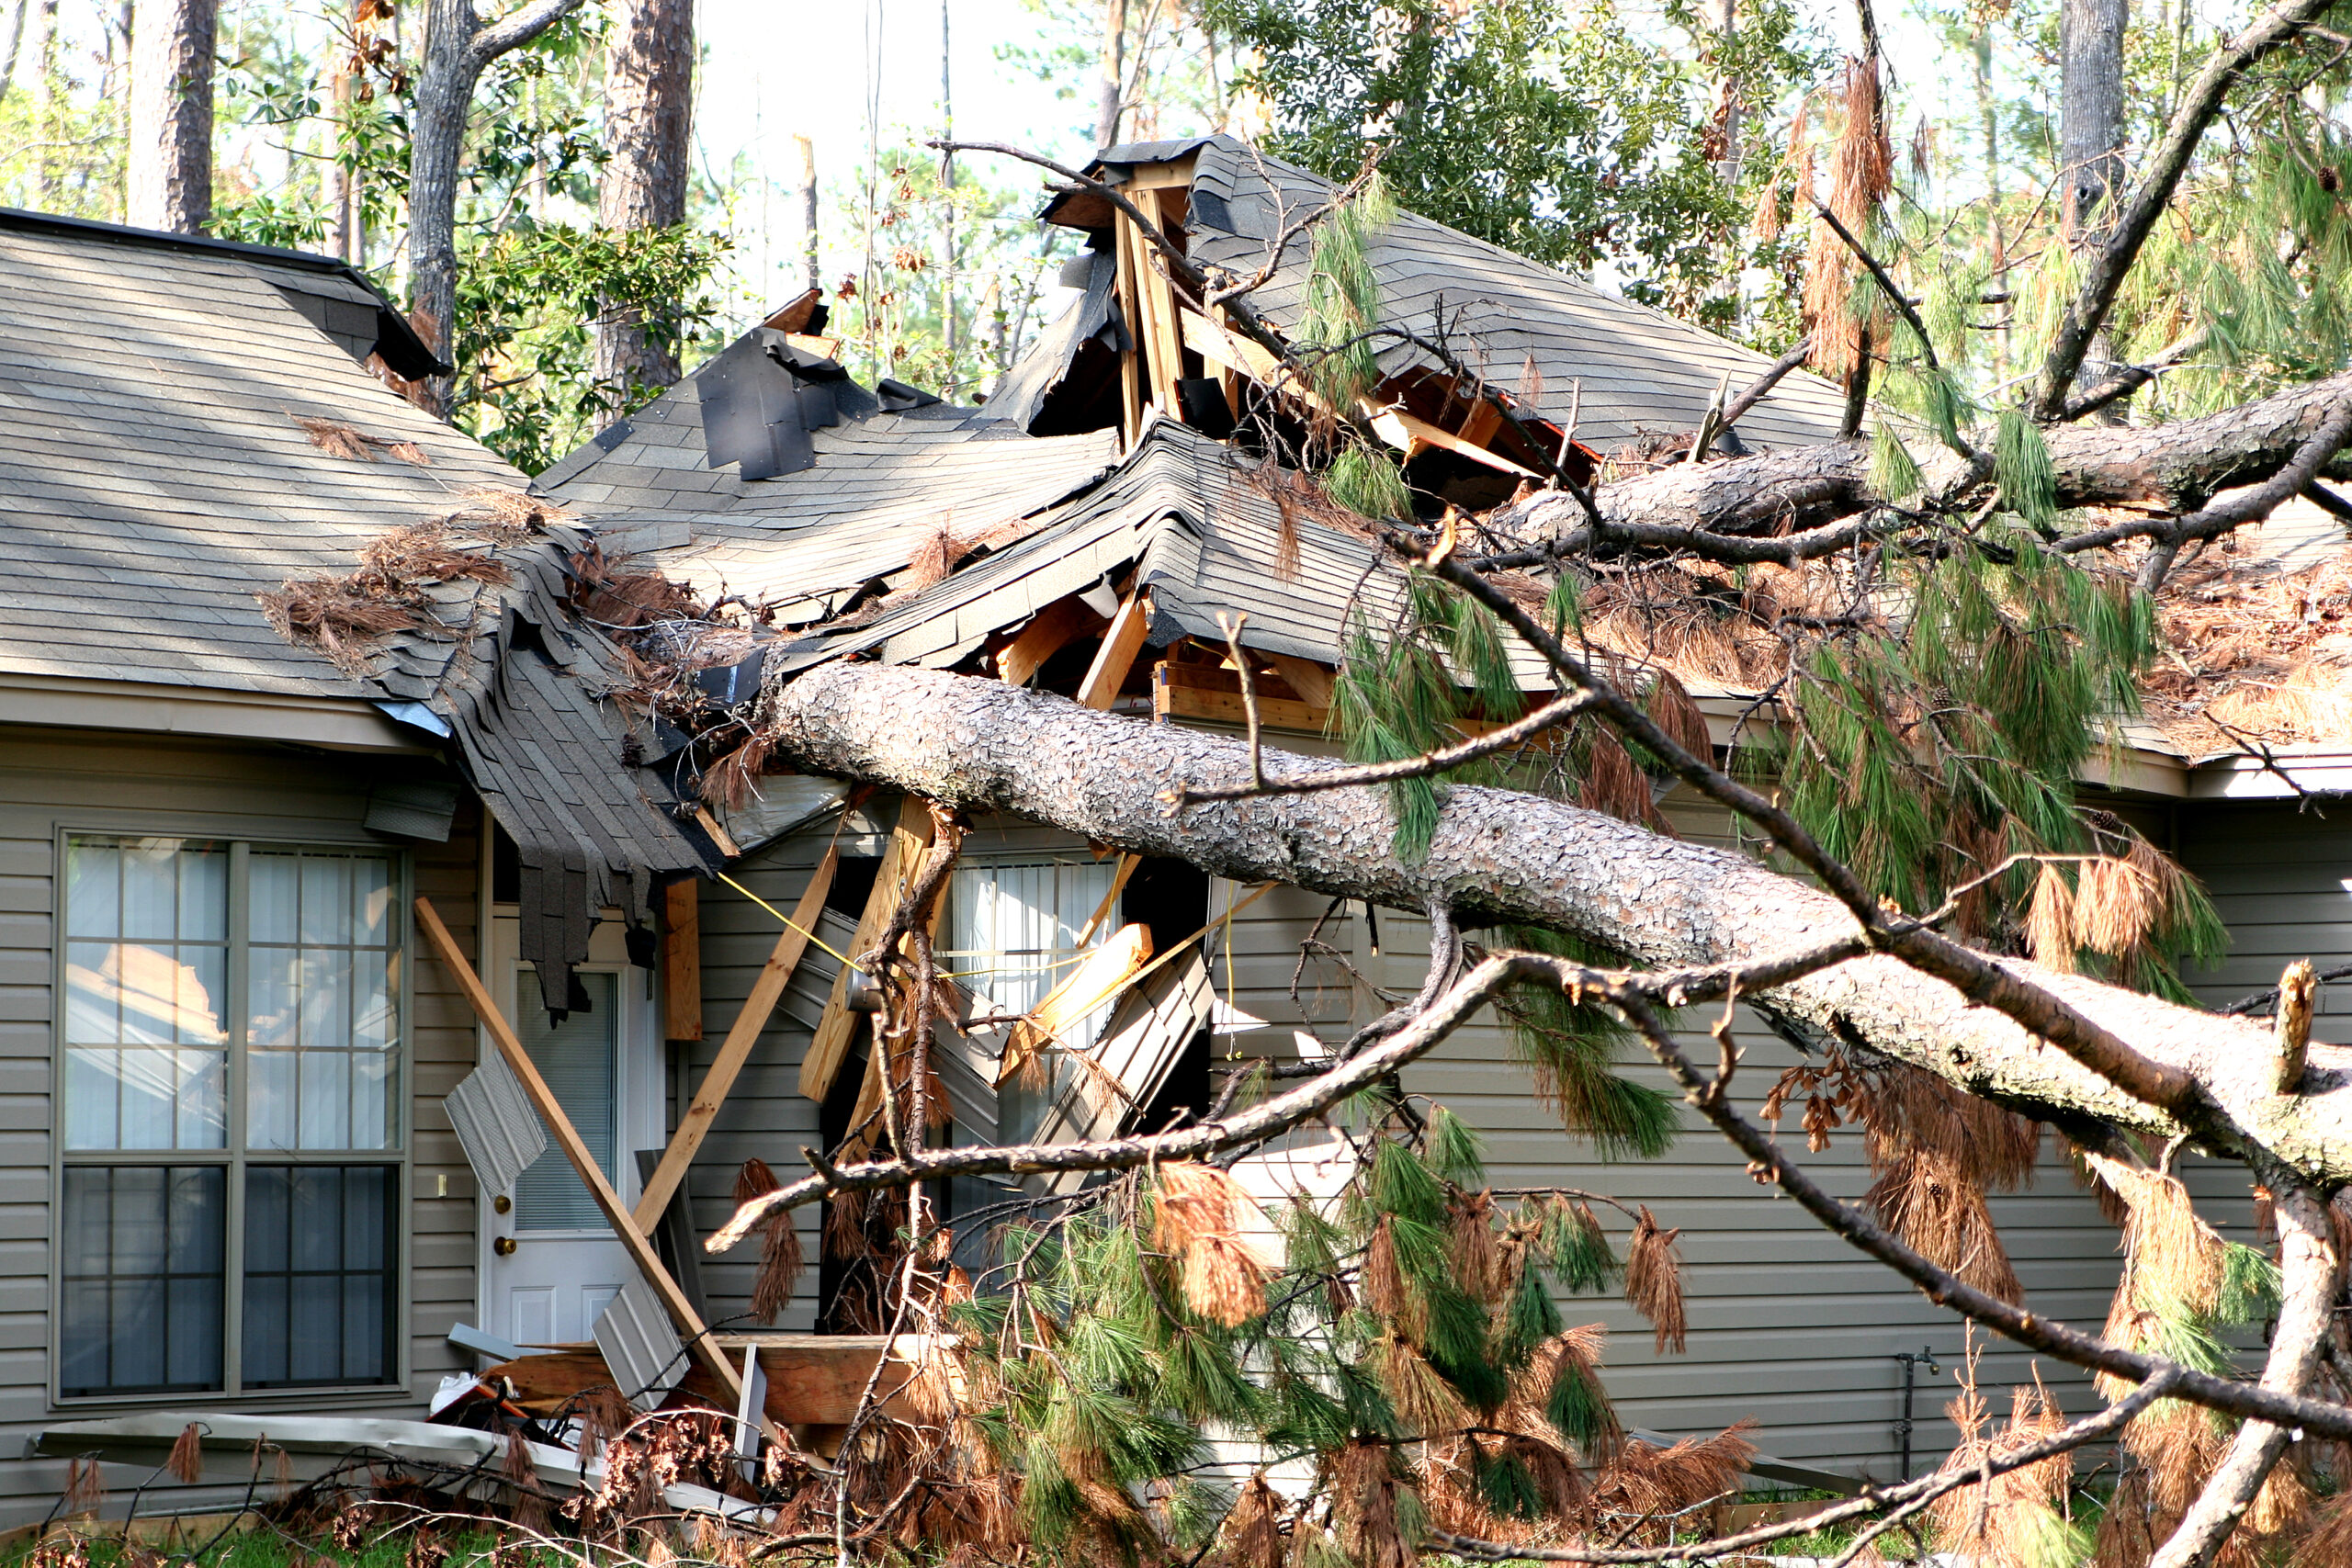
2262 1401
512 32
2307 1267
1903 1501
2199 104
1506 857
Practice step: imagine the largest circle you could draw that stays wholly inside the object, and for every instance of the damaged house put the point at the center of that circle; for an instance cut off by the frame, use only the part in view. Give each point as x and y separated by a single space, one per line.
351 767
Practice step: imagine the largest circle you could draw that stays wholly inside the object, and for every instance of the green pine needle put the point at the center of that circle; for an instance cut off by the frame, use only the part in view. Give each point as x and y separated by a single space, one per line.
2021 468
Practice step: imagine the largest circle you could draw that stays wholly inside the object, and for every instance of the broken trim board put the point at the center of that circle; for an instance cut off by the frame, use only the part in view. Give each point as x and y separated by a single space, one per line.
147 1438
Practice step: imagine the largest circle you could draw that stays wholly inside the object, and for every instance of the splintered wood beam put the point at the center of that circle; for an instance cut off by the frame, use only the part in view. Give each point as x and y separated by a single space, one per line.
1404 428
1118 654
1049 631
767 988
1130 363
1159 307
837 1025
682 961
1309 680
592 1176
1397 425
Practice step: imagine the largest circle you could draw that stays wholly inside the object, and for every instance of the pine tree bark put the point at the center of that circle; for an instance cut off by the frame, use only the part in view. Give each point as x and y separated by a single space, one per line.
808 149
1499 856
1112 86
171 48
457 47
649 119
2090 110
2174 468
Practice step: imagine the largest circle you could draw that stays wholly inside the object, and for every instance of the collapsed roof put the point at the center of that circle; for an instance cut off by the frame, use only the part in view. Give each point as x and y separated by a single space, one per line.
1563 351
188 428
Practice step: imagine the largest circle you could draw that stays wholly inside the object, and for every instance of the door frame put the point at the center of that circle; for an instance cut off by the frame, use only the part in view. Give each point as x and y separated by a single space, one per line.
644 1121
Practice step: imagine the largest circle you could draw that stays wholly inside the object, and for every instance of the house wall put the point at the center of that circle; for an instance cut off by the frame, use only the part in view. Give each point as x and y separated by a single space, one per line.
1788 1325
53 779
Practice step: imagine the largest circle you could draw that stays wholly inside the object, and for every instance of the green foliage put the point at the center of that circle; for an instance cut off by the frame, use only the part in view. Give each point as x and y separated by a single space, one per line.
2021 468
1367 482
527 302
1893 475
1564 134
1576 1406
1571 1046
2250 1289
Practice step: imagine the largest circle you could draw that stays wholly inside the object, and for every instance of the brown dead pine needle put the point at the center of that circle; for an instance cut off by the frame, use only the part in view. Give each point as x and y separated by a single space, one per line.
2050 924
1654 1280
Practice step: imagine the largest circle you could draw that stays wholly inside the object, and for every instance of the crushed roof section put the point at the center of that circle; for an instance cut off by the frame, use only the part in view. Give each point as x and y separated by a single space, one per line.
883 487
1207 532
1639 369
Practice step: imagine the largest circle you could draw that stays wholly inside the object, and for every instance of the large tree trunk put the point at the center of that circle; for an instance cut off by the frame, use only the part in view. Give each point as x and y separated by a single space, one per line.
171 115
2174 468
648 116
1114 82
1501 856
807 193
457 49
2090 111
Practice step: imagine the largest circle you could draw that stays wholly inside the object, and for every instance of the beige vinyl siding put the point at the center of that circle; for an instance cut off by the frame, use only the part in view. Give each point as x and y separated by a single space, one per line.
764 1114
1789 1326
51 780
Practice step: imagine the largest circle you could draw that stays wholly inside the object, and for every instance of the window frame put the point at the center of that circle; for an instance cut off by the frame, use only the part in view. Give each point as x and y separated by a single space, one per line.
398 1156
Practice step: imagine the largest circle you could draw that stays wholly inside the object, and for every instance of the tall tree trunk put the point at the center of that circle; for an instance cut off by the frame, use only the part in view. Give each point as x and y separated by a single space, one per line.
2090 141
172 51
649 119
2090 111
44 69
947 188
1115 72
16 41
807 194
1502 857
342 92
457 47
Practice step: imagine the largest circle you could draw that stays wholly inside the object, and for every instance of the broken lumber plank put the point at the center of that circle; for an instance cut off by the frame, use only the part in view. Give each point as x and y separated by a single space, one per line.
1403 428
1118 654
1172 699
1130 363
592 1176
767 988
829 1043
1167 357
1096 981
681 960
1311 680
1049 631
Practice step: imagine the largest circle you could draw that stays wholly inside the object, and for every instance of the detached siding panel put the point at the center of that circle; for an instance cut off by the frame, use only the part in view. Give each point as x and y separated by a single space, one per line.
52 779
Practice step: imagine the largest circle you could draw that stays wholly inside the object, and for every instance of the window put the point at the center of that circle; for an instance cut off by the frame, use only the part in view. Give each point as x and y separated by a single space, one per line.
1012 936
230 1148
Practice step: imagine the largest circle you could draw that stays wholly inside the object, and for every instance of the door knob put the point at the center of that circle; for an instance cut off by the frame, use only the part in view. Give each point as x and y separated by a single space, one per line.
504 1247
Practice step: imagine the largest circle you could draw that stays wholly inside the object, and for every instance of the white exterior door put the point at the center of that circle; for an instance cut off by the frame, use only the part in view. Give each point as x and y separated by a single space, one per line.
549 1263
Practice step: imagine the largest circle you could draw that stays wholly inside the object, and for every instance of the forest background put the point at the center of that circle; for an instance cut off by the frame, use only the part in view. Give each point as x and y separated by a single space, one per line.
1592 133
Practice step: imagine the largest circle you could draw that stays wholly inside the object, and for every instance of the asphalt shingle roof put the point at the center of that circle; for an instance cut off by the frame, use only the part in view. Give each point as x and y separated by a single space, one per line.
1533 331
155 480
